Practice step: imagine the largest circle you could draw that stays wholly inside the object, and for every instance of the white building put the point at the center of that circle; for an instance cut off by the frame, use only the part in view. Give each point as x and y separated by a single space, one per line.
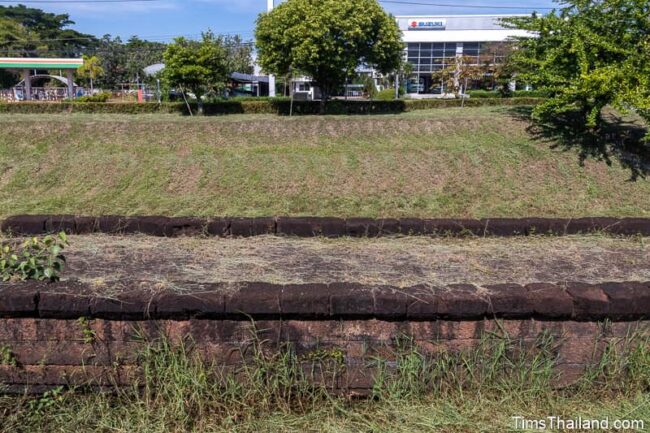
432 42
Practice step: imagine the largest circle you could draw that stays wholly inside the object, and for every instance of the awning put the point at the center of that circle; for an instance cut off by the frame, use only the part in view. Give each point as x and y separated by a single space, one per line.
39 63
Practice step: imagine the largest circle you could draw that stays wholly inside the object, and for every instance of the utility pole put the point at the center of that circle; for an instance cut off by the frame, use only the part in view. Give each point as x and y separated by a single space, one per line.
269 8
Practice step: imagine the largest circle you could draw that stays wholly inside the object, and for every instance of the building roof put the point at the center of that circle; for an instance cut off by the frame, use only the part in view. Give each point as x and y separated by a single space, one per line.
39 63
152 70
238 76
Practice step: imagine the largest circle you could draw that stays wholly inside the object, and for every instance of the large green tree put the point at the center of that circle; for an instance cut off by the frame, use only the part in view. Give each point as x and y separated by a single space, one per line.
124 62
198 66
588 55
327 40
51 35
239 54
13 36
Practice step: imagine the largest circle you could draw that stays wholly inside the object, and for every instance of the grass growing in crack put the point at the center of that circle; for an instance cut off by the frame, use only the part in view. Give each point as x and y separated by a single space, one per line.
476 390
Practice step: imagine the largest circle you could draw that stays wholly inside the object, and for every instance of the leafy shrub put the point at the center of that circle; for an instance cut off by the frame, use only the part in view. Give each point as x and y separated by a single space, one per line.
100 97
386 95
35 259
484 94
530 94
499 94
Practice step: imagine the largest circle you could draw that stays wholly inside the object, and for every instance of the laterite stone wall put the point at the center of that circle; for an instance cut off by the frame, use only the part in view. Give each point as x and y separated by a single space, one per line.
59 335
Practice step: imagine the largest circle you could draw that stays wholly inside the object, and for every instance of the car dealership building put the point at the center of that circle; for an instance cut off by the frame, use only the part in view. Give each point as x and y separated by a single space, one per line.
432 43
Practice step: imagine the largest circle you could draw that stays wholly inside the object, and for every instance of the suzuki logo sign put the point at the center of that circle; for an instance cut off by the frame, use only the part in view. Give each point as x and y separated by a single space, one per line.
427 24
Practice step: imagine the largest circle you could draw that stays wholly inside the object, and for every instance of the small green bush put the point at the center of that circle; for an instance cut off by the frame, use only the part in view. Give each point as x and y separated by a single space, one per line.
386 95
484 94
481 94
100 97
35 259
530 94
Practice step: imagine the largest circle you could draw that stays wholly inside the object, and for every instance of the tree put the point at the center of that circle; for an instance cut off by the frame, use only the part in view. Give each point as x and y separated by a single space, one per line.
12 37
588 55
139 54
456 75
198 66
112 55
51 35
239 55
90 70
326 39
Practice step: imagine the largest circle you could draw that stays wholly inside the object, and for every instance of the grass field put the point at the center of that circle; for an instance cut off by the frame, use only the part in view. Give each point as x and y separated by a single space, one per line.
473 162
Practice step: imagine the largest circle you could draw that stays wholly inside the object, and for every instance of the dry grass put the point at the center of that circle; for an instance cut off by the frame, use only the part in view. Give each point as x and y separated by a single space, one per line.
478 162
396 261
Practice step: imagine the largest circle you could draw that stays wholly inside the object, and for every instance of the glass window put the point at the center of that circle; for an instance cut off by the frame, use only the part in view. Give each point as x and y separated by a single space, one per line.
413 53
413 60
450 50
471 48
425 61
425 53
425 46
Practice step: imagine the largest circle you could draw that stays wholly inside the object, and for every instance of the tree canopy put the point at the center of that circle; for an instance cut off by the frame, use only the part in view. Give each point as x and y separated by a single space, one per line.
50 35
327 40
198 66
124 62
588 55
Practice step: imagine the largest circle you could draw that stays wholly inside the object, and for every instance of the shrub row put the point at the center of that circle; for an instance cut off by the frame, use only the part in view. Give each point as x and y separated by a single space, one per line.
270 106
516 94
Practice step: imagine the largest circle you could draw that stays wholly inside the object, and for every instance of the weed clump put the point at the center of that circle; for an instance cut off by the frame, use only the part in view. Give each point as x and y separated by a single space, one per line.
35 259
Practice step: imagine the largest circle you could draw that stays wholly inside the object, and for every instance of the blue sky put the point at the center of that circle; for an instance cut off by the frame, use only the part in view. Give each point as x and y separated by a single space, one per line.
161 20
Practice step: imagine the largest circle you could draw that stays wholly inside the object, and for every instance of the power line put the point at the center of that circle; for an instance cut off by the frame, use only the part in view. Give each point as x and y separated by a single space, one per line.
152 38
463 6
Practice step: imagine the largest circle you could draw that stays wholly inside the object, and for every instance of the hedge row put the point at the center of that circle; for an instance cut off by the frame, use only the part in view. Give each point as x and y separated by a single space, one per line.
279 106
516 94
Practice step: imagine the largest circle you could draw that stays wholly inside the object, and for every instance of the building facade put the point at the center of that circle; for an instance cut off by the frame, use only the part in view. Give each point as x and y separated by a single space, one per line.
433 43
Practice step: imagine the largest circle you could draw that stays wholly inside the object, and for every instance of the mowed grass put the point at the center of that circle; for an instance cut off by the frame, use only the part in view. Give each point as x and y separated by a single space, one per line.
473 162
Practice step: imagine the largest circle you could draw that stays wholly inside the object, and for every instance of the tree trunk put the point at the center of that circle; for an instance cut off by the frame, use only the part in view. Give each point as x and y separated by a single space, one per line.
199 106
92 90
324 94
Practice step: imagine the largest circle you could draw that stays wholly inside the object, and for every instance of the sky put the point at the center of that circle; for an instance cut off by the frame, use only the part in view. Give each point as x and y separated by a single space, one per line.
161 20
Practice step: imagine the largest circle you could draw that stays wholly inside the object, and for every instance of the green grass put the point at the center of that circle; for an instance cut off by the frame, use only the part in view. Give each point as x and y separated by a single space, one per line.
473 162
476 391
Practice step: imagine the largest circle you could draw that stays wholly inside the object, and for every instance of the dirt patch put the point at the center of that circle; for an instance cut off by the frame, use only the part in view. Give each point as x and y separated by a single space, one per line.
170 263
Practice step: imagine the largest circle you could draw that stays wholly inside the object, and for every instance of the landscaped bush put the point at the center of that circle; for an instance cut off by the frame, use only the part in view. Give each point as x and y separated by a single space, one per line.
480 94
281 106
35 259
530 94
484 94
386 95
99 97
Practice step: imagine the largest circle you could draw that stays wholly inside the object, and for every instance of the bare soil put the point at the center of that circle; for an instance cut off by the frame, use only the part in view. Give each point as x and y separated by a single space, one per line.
174 263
